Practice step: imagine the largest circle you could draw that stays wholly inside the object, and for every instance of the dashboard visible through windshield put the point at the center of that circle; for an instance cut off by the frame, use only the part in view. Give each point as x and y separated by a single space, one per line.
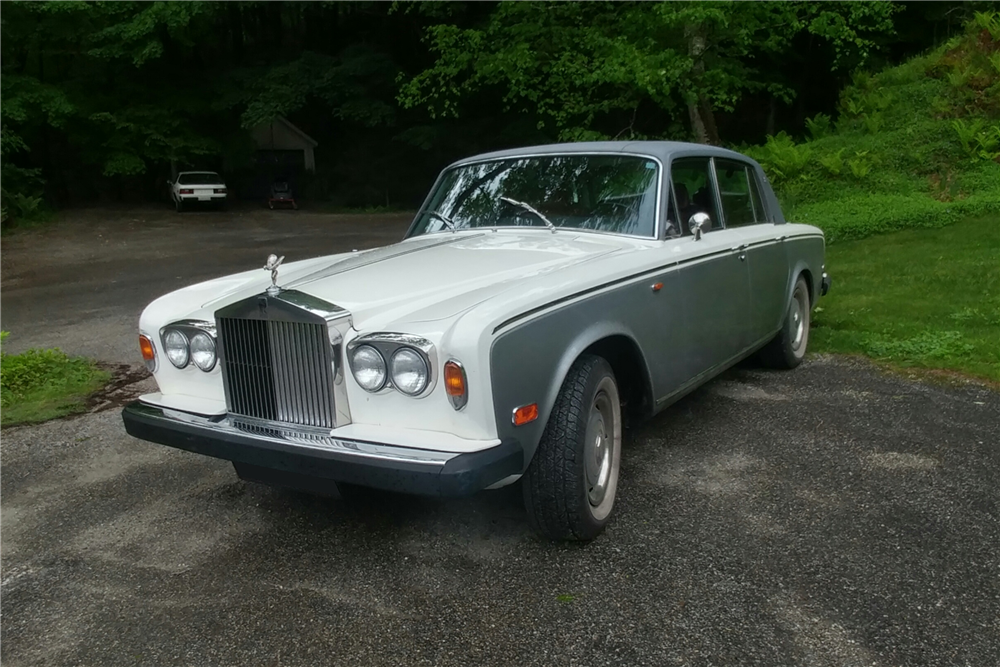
598 192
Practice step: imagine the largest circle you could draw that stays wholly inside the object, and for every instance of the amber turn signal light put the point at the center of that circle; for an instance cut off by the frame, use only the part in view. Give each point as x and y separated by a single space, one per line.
146 347
148 352
454 384
525 414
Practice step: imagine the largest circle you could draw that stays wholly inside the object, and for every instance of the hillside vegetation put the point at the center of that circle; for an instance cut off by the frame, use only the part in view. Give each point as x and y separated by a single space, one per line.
916 145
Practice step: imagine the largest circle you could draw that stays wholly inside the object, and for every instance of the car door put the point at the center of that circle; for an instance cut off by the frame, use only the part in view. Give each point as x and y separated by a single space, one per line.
712 276
767 261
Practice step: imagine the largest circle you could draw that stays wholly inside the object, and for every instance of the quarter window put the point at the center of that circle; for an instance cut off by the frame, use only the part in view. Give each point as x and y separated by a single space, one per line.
738 190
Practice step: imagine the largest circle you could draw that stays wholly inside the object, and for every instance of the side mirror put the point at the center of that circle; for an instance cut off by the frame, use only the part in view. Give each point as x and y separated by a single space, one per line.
698 223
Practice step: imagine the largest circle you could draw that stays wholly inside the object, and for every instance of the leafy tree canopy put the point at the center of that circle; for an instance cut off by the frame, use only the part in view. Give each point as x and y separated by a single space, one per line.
574 63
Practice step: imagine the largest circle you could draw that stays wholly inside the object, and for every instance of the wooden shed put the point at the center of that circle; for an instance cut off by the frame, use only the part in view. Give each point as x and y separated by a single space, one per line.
284 146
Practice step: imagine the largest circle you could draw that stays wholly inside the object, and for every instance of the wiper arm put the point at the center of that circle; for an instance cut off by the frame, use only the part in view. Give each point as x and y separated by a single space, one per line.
530 209
443 218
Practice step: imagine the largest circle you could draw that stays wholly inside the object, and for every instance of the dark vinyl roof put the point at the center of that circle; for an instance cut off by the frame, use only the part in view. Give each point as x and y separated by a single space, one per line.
664 150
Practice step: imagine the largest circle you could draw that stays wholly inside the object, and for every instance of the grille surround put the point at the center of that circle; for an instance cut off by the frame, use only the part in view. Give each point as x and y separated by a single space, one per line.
280 363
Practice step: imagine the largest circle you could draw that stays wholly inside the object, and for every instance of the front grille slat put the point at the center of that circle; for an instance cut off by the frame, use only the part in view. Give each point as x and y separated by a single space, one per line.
278 370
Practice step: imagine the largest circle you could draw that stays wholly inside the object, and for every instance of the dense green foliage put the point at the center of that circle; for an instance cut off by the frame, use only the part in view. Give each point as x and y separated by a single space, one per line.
916 145
925 298
99 98
579 65
37 385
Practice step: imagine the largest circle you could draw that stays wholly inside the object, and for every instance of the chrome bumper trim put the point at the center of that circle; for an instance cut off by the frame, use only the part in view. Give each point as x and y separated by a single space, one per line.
295 436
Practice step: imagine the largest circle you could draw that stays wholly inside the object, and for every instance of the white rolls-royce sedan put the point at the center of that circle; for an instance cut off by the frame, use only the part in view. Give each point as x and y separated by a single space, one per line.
539 296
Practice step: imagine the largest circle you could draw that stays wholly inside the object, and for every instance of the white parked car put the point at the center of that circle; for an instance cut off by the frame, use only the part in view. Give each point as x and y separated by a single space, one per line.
539 294
197 187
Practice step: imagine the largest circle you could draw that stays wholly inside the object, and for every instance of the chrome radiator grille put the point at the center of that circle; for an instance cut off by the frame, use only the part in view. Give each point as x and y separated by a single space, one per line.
278 371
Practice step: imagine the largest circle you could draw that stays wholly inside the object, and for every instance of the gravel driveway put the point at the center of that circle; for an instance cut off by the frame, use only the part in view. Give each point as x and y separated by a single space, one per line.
831 515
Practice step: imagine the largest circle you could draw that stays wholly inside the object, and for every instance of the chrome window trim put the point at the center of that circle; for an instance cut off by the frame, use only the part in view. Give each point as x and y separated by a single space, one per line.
388 343
658 212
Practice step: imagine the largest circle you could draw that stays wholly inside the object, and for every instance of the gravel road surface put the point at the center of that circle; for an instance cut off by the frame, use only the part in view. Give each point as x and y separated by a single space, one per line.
831 515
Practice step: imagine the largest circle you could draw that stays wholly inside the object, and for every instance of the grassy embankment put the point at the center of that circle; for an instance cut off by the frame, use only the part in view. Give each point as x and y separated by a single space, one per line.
916 147
39 385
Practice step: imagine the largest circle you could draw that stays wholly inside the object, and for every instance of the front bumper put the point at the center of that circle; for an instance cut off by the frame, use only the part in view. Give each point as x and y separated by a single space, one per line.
318 457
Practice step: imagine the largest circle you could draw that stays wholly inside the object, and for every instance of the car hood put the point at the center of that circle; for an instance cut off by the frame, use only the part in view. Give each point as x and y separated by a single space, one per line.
426 278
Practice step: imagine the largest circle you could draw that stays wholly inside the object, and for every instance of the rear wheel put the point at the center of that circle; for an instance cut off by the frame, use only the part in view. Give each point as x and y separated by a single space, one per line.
571 483
178 205
788 348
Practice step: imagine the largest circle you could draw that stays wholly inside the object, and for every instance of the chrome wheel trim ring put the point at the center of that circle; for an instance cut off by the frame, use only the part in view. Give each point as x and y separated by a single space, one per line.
602 449
799 319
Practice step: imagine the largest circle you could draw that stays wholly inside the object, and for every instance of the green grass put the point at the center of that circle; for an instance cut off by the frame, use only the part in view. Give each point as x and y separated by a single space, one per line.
38 385
927 298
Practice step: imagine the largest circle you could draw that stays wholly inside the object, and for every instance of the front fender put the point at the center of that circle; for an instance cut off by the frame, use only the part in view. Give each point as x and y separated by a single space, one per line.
530 362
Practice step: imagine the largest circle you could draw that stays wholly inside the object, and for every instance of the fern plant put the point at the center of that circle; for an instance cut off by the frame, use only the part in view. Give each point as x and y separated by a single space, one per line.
833 163
819 126
990 22
859 166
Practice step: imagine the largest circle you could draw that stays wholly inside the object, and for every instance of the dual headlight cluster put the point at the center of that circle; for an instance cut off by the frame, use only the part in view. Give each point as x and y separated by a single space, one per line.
408 368
187 343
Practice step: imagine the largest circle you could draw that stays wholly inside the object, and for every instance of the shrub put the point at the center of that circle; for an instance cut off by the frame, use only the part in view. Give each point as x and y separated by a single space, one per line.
781 157
834 162
819 126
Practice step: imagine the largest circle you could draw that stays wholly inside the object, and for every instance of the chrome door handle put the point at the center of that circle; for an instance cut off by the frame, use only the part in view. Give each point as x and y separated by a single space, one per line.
743 256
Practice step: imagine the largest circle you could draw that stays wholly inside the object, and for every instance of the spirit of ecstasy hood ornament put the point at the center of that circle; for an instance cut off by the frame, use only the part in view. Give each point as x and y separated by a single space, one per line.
273 262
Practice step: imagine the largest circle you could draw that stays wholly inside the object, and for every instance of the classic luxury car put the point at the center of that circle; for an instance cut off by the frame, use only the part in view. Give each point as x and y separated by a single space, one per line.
197 187
539 297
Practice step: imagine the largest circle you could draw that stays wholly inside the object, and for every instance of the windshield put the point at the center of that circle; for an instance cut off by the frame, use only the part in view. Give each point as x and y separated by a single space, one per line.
608 193
204 178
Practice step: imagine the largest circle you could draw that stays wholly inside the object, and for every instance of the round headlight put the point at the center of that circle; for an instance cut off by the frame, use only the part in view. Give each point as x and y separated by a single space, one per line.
203 351
175 346
409 371
369 367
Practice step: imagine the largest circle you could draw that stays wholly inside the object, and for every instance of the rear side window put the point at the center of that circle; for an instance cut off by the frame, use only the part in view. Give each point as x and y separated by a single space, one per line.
738 191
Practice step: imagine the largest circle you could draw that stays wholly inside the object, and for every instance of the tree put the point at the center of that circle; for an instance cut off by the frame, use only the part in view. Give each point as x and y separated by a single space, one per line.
583 66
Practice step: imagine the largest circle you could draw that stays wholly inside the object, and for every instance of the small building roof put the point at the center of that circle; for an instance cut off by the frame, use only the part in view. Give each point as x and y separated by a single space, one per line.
287 123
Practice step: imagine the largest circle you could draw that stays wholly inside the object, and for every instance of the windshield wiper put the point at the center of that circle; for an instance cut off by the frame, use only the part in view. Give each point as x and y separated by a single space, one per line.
443 218
530 209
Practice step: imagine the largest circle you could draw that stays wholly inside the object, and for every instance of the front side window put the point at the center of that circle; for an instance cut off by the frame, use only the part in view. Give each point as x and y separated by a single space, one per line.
740 200
694 192
606 193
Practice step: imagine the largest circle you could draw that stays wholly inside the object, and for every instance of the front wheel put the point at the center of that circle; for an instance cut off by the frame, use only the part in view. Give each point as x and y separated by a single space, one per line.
788 348
570 486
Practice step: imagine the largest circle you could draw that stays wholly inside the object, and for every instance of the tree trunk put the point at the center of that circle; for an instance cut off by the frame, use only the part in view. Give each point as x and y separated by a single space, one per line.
697 126
699 107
